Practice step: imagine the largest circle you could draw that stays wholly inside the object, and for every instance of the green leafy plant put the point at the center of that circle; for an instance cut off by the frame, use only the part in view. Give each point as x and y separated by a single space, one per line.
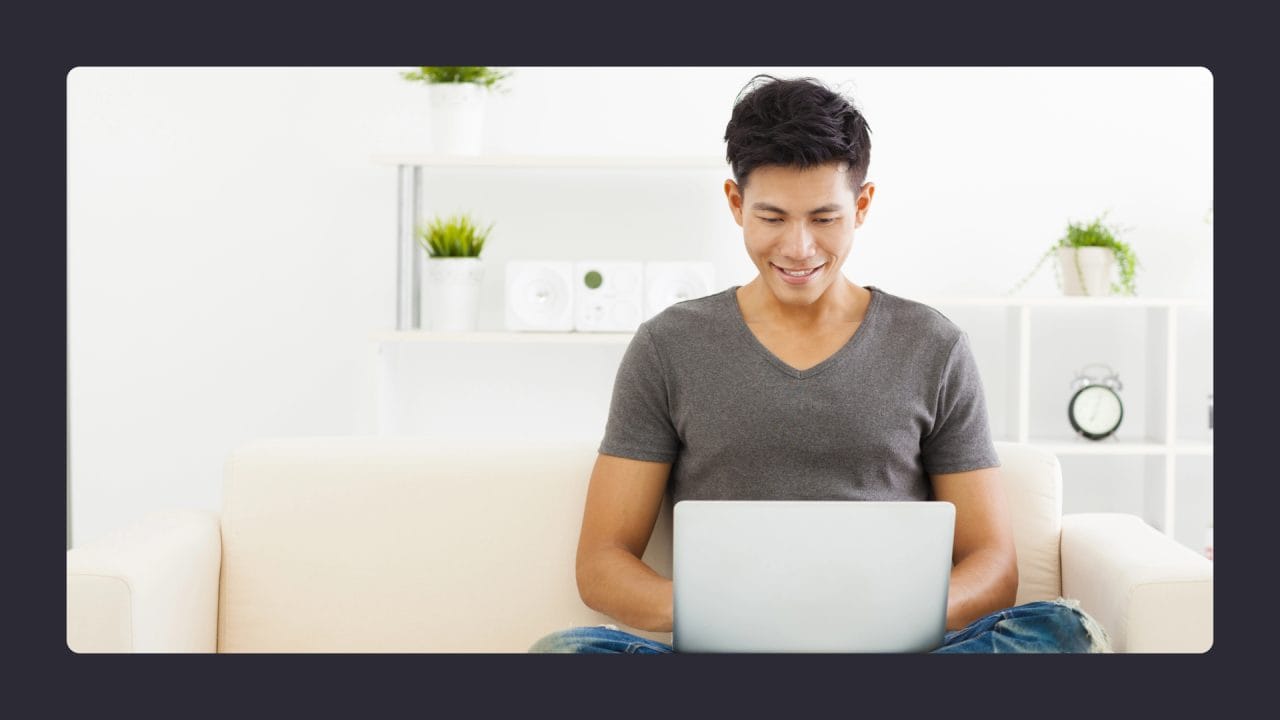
484 76
1092 234
454 236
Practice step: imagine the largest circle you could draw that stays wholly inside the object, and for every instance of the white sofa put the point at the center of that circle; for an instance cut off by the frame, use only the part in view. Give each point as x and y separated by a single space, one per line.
367 544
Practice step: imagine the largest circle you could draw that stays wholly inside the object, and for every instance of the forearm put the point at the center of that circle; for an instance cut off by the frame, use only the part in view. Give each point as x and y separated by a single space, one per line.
620 585
981 583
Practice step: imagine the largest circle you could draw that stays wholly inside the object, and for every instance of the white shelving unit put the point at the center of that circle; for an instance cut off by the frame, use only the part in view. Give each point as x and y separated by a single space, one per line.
1162 447
1159 450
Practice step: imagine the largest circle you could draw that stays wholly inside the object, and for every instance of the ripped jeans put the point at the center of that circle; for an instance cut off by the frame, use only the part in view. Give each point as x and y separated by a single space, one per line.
1057 626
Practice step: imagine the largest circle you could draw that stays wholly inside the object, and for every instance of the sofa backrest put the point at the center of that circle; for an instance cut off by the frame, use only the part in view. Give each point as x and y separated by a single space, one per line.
1033 486
378 544
368 544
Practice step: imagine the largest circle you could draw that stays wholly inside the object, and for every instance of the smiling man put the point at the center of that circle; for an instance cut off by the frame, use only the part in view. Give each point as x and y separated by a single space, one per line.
802 385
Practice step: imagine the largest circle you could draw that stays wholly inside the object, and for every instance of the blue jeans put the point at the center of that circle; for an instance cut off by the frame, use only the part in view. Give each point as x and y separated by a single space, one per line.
1057 626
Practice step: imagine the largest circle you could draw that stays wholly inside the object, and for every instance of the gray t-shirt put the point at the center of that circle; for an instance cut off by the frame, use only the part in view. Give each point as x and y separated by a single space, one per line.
901 400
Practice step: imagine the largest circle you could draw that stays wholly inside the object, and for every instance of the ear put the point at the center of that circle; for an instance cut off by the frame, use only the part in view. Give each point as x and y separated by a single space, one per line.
734 194
863 202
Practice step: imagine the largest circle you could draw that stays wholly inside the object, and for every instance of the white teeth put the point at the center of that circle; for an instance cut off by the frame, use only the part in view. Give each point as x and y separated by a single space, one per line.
798 273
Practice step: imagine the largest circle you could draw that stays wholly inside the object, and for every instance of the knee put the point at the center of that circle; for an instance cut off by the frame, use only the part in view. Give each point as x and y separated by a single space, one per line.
1058 626
1075 629
597 639
1095 637
561 641
594 639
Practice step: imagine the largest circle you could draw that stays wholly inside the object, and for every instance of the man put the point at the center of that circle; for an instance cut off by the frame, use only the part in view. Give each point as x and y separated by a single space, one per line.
802 385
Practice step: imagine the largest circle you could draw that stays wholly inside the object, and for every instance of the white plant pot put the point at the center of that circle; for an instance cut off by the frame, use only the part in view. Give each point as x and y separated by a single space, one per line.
1092 276
451 293
457 118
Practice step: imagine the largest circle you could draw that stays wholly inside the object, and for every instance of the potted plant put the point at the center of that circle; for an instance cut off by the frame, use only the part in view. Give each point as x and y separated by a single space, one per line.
457 105
1085 258
455 271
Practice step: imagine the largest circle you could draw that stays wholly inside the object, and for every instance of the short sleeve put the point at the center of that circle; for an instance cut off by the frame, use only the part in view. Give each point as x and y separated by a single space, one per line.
639 424
960 439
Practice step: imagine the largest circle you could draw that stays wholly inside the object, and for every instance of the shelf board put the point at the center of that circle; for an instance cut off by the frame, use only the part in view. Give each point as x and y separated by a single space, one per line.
554 161
1104 447
1059 446
1063 301
504 337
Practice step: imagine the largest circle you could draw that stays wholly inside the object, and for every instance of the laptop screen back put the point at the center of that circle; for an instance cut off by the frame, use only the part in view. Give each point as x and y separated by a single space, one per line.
810 576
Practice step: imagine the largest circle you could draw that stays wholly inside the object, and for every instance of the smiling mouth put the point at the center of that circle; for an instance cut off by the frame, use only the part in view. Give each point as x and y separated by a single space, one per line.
799 273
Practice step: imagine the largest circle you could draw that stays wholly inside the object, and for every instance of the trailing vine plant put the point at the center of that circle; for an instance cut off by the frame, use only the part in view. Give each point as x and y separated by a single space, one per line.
1091 234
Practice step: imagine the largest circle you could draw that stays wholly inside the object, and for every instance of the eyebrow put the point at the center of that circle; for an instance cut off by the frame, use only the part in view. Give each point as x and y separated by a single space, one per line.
829 207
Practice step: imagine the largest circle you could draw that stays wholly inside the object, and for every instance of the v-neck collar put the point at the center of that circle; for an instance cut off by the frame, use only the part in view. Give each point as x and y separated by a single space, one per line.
732 295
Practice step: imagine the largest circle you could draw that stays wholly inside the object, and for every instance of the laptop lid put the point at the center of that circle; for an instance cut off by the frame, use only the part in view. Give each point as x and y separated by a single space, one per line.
810 576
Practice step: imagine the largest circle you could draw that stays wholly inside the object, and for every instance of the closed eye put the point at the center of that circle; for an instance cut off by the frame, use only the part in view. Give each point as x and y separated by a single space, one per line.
820 221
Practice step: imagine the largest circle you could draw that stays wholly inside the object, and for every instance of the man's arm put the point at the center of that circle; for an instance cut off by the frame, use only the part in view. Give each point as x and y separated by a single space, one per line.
623 501
984 572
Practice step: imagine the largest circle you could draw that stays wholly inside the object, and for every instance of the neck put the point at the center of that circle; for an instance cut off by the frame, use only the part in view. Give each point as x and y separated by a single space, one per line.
843 302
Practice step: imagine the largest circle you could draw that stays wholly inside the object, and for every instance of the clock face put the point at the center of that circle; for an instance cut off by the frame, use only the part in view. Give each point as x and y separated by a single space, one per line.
1095 411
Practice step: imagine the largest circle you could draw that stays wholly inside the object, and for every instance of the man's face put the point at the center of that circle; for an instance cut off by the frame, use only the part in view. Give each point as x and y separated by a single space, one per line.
798 226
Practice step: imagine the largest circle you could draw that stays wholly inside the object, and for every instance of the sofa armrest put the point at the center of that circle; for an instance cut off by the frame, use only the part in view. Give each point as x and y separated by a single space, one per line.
1151 593
152 587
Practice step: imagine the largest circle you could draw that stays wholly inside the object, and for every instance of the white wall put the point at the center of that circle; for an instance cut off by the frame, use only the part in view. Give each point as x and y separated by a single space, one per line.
231 243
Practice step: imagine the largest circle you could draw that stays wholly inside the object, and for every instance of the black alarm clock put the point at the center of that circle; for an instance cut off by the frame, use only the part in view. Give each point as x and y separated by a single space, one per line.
1095 408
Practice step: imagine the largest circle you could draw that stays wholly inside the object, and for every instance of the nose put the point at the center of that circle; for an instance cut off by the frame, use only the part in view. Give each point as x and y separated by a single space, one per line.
798 243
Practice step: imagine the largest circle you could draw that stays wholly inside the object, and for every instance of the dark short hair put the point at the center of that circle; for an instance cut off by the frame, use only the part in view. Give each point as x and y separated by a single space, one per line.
795 123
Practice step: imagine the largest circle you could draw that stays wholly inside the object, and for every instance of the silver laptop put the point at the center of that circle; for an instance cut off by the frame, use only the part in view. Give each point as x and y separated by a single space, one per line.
810 576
